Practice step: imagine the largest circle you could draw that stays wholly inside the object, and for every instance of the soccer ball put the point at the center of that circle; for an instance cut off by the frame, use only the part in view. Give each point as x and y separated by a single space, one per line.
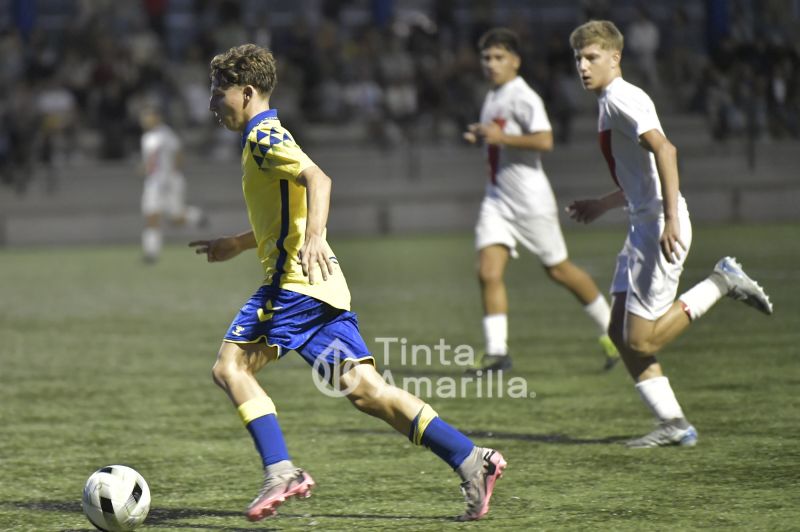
116 498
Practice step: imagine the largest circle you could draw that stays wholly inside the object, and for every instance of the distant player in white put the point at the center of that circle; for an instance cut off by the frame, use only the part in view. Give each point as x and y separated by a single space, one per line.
645 316
164 184
519 206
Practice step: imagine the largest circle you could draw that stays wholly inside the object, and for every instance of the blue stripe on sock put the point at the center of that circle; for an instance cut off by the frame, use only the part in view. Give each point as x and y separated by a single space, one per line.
446 442
268 439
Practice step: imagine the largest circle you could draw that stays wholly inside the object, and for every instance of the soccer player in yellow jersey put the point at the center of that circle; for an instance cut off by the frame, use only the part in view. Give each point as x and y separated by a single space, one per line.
304 303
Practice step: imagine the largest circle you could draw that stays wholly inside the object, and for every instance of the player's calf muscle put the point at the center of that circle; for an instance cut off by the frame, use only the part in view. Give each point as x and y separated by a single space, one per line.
374 396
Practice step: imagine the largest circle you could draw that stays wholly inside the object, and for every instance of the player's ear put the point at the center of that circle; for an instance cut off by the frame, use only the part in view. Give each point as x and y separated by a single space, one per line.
616 56
248 92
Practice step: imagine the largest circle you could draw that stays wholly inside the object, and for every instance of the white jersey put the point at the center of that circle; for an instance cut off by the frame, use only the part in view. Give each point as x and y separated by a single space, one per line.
626 112
516 177
160 149
164 185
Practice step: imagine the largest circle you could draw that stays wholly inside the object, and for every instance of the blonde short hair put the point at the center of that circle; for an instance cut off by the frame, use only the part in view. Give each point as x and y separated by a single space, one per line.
602 32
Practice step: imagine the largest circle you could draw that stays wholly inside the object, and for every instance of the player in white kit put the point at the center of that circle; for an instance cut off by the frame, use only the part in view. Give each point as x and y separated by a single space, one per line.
519 205
164 184
645 315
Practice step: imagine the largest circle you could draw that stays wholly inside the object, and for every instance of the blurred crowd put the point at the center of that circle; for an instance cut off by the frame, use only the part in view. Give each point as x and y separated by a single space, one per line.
76 72
751 84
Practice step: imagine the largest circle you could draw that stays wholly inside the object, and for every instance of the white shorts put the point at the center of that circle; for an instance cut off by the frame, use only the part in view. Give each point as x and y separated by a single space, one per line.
164 195
650 282
540 234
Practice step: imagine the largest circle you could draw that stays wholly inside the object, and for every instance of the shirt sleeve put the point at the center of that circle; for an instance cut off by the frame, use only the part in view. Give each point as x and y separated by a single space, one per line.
277 154
530 114
635 113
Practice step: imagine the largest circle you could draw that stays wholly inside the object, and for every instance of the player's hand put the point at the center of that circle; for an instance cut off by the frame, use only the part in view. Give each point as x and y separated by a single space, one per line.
218 249
316 252
491 133
472 135
585 211
670 241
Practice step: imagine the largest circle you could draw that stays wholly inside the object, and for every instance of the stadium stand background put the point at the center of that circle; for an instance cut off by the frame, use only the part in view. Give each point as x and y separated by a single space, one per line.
378 92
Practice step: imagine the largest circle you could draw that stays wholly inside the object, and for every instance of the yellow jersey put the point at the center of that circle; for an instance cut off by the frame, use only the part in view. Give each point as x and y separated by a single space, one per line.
277 209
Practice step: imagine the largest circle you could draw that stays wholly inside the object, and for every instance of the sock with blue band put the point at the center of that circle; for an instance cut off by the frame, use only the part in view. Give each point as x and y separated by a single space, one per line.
445 441
261 420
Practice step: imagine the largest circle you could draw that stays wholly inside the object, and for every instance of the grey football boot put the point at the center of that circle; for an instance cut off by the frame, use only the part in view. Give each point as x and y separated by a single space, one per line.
741 287
673 432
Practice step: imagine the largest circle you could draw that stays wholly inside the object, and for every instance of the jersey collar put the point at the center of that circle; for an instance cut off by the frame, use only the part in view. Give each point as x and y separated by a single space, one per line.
260 117
614 81
509 83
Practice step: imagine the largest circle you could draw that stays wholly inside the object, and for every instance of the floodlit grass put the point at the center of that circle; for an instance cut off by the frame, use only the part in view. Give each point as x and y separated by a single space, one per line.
105 360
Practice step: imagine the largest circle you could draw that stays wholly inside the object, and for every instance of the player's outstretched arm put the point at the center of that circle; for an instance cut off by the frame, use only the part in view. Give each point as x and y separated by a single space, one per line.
315 250
492 133
588 210
536 141
224 248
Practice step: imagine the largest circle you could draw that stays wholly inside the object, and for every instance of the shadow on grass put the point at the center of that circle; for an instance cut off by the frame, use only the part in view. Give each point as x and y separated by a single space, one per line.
157 517
426 371
541 438
376 516
460 372
548 438
166 517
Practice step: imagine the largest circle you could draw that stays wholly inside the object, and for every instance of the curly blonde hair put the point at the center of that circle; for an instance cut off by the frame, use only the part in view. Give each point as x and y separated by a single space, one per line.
246 64
602 32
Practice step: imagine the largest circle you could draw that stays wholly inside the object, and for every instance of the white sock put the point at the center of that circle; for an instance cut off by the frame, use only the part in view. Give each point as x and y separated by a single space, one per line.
600 313
495 330
151 242
193 216
472 464
702 296
657 394
279 468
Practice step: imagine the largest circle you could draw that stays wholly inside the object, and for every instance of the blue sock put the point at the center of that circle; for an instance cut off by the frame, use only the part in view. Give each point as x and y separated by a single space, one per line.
445 441
268 438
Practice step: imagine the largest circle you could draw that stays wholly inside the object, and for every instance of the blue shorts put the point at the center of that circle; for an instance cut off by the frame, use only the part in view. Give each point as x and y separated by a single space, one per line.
298 322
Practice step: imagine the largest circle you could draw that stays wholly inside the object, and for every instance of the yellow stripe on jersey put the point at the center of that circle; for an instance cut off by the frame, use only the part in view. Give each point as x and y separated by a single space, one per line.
423 419
256 408
277 209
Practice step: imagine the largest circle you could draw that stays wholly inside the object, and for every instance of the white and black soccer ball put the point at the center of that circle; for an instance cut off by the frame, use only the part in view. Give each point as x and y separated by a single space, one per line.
116 498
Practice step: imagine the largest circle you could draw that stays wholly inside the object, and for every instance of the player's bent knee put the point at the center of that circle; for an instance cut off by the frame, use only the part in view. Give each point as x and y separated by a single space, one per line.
219 375
490 275
228 365
223 372
556 273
